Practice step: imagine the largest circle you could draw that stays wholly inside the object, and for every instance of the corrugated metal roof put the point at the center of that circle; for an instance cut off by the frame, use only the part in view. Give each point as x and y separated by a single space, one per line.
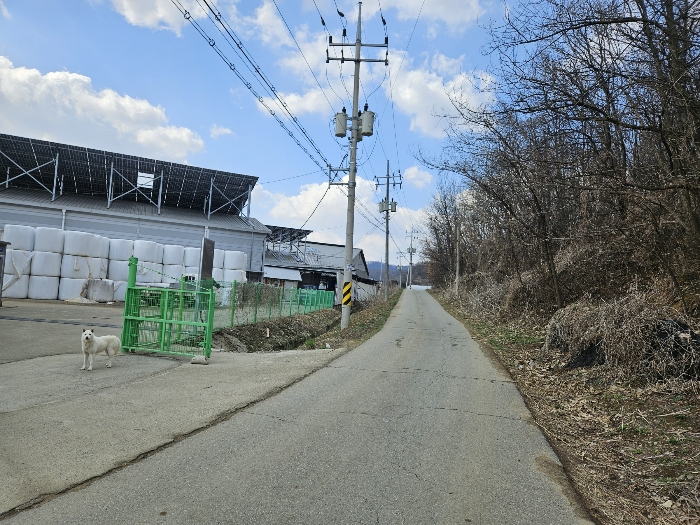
98 205
320 256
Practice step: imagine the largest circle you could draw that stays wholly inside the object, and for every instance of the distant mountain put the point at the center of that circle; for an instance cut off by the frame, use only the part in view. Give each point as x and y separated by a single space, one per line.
376 271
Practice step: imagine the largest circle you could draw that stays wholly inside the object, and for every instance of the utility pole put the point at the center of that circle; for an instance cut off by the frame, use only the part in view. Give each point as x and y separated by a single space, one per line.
411 251
385 207
357 129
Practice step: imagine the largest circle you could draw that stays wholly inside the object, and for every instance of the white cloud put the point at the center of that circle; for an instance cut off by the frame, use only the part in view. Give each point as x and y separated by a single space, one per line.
425 92
3 10
216 131
157 14
64 107
268 26
455 13
416 177
328 221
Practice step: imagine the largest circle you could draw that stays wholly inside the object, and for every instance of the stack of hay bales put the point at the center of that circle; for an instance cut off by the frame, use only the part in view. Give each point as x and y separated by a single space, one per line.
150 256
119 252
192 256
50 263
46 264
82 260
173 263
218 271
18 258
234 266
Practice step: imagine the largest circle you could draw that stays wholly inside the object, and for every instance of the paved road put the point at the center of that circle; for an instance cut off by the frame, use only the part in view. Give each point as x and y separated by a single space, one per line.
30 329
414 426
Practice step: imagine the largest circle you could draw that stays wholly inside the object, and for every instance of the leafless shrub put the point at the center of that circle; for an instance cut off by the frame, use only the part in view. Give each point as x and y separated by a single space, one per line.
637 336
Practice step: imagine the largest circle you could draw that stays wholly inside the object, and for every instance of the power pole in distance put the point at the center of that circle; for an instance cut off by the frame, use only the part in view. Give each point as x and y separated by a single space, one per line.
411 251
385 207
357 130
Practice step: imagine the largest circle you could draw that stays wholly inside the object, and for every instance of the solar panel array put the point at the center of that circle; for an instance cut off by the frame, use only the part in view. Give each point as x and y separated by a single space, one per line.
86 171
284 235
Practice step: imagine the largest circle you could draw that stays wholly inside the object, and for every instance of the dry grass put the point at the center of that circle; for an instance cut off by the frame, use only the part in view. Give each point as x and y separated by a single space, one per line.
631 447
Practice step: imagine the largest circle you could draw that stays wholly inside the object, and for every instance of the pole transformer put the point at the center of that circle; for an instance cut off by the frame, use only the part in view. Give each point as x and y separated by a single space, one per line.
358 128
385 207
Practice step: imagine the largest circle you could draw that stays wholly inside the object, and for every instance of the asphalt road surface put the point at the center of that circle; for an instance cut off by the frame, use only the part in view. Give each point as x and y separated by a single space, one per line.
414 426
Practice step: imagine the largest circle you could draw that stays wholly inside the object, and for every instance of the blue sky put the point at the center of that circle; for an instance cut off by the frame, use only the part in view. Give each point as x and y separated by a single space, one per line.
134 76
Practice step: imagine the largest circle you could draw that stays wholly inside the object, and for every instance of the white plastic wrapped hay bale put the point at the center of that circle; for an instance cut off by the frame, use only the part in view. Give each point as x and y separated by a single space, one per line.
97 268
235 260
218 258
75 267
15 287
173 254
100 290
104 252
46 264
217 274
42 287
192 256
48 240
235 275
145 251
71 288
159 253
20 237
148 272
81 244
119 290
192 271
18 262
120 249
118 270
172 273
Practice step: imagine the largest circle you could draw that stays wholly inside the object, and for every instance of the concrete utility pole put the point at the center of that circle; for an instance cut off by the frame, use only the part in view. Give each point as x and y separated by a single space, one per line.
385 207
411 251
357 129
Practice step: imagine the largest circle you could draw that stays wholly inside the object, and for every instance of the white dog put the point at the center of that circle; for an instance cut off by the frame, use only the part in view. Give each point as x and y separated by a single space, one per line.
92 345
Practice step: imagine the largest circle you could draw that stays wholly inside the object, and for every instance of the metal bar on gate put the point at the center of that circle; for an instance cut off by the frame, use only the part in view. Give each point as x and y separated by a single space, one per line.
181 304
161 328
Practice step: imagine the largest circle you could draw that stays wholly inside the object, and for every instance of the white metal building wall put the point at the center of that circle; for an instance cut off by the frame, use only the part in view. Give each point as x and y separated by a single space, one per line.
117 227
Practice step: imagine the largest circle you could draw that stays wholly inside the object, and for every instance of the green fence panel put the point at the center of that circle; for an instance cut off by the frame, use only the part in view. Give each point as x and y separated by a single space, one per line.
181 319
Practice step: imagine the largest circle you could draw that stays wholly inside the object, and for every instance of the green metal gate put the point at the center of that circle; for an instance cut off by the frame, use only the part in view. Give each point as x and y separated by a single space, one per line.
166 320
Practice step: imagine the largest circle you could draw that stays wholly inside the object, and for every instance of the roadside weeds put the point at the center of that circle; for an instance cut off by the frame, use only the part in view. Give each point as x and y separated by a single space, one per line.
631 451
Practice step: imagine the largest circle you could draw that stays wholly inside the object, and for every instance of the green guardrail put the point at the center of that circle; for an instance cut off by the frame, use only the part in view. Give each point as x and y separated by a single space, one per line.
180 319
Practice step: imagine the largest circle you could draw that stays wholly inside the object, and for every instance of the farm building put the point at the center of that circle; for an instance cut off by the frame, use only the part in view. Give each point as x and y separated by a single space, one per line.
47 184
291 260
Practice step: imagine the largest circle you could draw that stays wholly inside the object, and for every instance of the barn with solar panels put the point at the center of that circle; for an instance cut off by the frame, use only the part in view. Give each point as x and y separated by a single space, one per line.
56 186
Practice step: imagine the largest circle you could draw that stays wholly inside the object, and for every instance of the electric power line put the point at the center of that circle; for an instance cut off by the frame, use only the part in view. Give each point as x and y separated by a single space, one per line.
256 69
302 54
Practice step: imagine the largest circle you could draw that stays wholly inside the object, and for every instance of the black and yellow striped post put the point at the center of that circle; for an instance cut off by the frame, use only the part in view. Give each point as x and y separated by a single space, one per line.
347 293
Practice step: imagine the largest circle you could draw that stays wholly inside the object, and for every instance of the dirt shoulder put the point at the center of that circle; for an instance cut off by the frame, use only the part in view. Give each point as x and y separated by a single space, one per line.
314 330
631 451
